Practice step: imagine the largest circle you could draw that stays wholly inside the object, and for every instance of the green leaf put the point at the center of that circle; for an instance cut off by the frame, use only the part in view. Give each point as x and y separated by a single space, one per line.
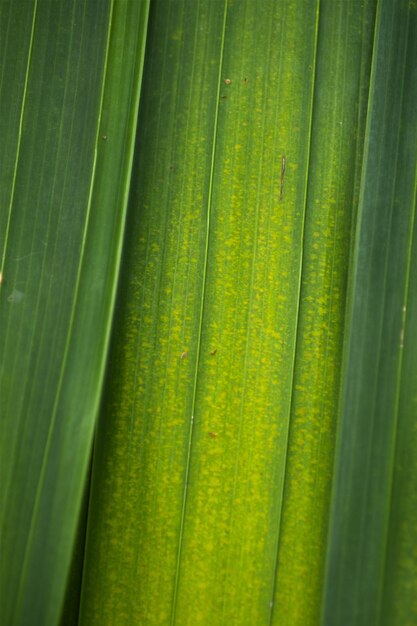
190 455
239 174
66 182
361 510
213 461
399 606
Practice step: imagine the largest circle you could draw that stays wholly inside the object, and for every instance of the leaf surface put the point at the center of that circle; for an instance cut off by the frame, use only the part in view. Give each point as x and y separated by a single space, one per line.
374 367
65 188
239 173
344 54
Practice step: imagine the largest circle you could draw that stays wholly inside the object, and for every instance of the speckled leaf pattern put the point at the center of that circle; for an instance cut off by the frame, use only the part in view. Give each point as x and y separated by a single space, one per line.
343 65
234 274
254 458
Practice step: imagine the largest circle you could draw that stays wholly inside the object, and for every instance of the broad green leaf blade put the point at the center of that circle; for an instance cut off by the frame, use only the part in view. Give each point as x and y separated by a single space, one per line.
68 194
190 456
344 54
369 405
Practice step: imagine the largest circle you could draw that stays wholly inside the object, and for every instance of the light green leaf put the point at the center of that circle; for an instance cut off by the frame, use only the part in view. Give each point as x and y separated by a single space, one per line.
189 467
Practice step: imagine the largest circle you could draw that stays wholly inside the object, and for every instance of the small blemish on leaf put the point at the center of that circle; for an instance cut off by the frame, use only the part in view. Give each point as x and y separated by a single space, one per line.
16 296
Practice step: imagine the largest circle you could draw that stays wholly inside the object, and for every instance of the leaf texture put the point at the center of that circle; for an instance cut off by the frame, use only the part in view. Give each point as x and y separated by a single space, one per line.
67 179
266 140
339 112
373 370
189 466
